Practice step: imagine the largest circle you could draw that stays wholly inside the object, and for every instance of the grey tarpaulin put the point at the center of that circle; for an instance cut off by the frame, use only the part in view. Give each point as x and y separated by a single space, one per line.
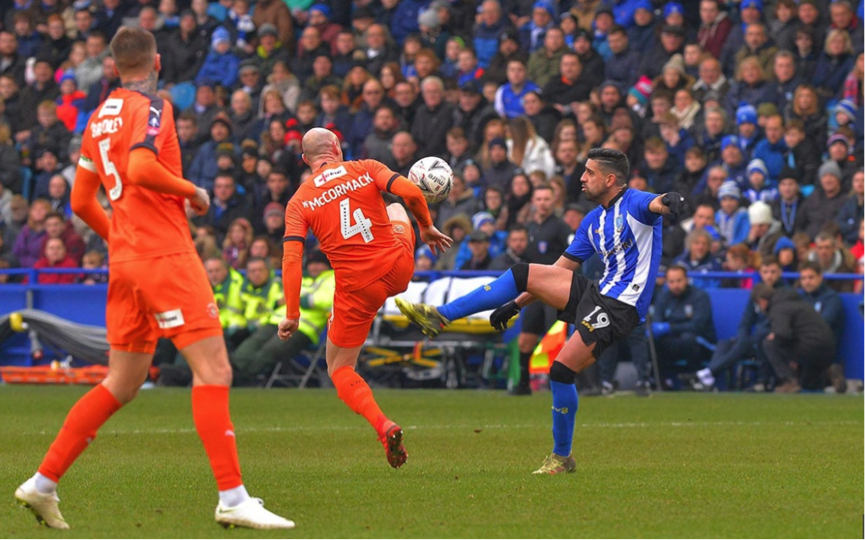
83 342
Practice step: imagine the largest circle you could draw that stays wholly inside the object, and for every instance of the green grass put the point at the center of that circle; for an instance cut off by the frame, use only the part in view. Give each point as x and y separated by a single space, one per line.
675 465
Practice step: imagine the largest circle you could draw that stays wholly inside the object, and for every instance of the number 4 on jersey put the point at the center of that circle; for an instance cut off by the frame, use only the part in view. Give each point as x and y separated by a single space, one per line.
363 225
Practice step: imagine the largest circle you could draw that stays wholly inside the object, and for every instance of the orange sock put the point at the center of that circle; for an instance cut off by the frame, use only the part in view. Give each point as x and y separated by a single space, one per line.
213 423
353 390
79 430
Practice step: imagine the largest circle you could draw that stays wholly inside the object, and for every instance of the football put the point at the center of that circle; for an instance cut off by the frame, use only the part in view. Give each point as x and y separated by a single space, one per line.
434 177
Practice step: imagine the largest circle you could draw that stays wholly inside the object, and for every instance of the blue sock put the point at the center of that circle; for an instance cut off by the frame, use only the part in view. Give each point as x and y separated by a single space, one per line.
565 403
489 296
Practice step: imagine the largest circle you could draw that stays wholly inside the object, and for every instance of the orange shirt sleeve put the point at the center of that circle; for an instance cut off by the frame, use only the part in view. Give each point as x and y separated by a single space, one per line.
83 196
397 184
296 228
146 171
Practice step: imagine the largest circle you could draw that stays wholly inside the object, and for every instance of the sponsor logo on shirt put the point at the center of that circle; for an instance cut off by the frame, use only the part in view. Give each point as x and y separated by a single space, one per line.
169 319
329 175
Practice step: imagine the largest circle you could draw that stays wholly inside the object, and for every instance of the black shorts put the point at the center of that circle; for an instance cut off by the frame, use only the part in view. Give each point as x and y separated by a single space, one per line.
599 319
537 318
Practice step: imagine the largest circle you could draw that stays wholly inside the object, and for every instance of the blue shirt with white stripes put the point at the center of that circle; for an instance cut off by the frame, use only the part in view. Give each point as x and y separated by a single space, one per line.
627 236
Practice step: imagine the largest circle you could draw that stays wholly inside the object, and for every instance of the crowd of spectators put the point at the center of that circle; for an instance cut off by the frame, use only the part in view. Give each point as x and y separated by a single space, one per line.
752 109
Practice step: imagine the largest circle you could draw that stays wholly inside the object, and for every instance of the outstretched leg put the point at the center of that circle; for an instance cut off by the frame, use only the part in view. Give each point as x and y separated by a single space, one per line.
356 393
126 372
549 283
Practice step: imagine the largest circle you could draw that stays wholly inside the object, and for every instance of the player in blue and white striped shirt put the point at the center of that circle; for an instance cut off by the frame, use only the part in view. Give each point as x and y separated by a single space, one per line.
626 231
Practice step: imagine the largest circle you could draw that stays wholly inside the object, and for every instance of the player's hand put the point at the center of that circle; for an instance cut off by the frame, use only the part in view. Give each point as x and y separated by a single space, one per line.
500 317
200 202
674 202
287 327
437 241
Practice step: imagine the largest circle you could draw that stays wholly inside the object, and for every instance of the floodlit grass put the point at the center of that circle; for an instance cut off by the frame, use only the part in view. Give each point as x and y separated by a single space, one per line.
674 465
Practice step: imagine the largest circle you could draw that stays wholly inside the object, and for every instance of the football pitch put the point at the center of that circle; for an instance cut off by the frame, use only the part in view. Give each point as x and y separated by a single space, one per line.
674 465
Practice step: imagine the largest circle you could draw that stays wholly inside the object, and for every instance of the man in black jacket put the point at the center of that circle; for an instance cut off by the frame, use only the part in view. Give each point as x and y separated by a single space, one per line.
570 86
849 218
828 304
750 336
433 119
798 335
682 324
472 113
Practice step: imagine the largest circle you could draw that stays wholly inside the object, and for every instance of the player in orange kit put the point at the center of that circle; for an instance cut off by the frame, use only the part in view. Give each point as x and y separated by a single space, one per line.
157 285
371 248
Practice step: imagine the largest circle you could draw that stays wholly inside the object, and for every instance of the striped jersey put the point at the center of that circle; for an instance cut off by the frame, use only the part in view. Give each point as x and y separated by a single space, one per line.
627 236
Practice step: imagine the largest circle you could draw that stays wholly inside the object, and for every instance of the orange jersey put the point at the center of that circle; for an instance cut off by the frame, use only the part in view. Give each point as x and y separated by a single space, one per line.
144 223
343 206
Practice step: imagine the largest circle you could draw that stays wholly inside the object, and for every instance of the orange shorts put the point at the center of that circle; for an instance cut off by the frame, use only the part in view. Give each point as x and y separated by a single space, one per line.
166 297
354 311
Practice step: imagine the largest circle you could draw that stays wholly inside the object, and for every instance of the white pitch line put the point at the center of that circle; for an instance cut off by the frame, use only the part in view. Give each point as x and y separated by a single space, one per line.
602 425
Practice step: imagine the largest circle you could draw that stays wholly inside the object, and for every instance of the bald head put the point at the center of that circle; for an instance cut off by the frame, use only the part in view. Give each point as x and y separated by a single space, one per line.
320 145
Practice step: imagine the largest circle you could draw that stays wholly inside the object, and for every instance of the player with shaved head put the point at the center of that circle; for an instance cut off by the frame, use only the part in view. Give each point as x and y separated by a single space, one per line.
157 285
371 247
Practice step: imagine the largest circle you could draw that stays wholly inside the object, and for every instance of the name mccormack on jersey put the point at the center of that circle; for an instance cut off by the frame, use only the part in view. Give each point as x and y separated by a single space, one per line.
338 191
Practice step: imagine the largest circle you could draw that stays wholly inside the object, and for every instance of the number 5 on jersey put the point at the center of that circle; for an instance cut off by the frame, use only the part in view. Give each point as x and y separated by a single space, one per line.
363 225
109 168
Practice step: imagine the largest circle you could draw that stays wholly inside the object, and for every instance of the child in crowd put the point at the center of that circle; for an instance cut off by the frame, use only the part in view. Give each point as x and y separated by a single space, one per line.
741 260
70 101
732 219
785 252
802 155
239 21
761 189
845 113
747 130
220 65
93 260
638 96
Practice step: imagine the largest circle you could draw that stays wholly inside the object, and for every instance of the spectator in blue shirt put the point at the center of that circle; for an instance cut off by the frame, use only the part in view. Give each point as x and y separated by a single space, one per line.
682 324
771 150
732 219
509 96
533 32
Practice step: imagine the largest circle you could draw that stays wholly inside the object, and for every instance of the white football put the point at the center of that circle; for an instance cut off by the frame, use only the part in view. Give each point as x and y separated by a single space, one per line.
434 177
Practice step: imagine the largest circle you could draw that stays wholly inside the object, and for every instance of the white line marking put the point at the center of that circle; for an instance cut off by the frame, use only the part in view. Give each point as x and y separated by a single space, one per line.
601 425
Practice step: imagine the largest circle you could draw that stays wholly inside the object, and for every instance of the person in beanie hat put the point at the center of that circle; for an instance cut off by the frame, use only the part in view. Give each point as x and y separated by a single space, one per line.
483 222
845 112
785 252
761 188
746 128
732 219
424 259
638 96
765 230
70 101
787 208
220 65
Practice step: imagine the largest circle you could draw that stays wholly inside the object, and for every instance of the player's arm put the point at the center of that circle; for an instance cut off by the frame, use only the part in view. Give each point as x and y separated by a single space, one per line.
292 269
83 198
668 203
147 171
396 184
